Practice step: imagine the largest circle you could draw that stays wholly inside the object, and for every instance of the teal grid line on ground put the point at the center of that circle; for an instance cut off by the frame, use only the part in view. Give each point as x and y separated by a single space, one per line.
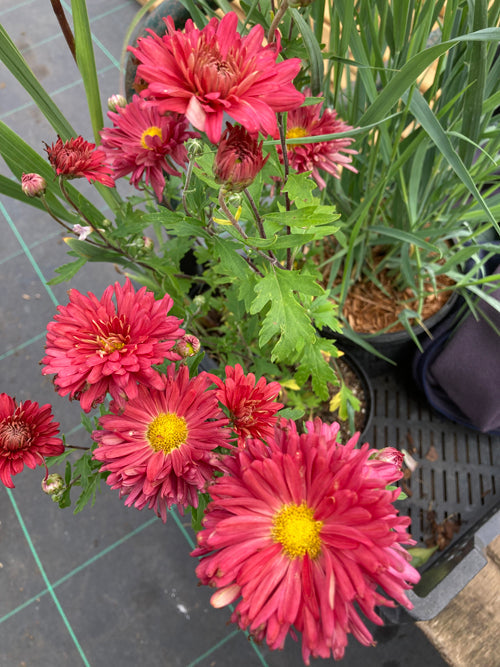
45 578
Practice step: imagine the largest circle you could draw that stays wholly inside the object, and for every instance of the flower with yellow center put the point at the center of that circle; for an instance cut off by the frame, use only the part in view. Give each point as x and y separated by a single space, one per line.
153 131
166 439
296 133
166 432
295 528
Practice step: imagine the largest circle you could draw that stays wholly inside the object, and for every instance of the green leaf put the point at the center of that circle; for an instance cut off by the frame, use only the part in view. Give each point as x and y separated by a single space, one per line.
88 494
313 365
54 460
93 253
306 217
67 271
286 318
197 513
420 555
300 188
231 263
291 413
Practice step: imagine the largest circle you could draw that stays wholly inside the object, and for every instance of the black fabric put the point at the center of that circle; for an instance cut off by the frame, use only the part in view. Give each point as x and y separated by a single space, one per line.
459 370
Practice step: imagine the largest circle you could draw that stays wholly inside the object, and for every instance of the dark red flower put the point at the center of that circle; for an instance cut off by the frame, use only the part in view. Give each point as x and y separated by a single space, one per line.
78 158
95 346
27 436
252 407
239 159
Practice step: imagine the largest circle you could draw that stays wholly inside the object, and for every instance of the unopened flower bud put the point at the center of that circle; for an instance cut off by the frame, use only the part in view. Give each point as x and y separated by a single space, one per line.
148 243
33 185
389 455
116 101
194 148
54 484
199 300
188 346
238 160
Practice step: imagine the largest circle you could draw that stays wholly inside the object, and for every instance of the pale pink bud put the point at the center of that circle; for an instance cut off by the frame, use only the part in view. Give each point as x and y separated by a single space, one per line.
53 484
33 185
389 455
116 101
188 346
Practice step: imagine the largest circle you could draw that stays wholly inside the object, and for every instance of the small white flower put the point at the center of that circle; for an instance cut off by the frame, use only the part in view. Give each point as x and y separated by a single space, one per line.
82 231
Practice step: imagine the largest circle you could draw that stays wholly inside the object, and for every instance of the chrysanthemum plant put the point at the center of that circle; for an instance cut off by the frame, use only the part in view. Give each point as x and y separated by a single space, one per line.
238 164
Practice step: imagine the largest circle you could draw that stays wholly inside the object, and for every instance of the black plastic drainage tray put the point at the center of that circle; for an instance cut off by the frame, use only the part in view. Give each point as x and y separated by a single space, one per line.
457 479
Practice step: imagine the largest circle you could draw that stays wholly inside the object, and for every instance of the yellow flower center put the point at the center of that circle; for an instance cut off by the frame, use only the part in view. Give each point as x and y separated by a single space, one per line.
166 432
110 343
152 131
295 133
295 528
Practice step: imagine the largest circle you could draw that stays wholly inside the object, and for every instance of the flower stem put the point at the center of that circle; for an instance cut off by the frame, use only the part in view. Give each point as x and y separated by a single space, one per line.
276 21
189 173
64 25
286 167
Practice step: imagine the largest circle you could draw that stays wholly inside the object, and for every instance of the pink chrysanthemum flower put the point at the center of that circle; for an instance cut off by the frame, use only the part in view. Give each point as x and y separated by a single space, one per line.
145 143
206 73
160 450
303 532
95 346
323 155
252 407
27 435
78 158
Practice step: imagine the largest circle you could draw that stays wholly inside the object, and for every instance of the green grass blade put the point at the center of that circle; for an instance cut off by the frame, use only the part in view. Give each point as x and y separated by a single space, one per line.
431 125
86 65
411 70
16 64
313 49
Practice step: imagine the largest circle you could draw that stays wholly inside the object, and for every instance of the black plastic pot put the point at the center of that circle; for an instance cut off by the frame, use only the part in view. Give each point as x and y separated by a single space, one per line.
392 349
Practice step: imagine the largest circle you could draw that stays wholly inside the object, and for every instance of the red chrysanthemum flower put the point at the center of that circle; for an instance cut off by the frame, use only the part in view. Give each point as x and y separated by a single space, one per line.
325 155
94 346
160 450
206 73
303 531
145 143
27 435
252 407
239 159
78 158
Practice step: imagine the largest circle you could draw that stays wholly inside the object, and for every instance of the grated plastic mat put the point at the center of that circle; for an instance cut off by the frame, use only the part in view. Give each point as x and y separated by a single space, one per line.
458 473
